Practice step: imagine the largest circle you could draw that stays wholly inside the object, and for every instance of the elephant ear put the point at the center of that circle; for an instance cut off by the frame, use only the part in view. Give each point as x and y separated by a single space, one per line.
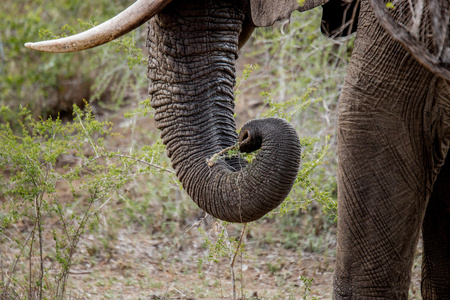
422 27
266 12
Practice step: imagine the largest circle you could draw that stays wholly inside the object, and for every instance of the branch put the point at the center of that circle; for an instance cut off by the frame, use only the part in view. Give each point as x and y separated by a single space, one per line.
142 161
234 259
214 157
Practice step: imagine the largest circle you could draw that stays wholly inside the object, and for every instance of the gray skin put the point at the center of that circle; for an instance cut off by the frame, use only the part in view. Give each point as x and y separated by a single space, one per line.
393 131
393 139
394 171
192 48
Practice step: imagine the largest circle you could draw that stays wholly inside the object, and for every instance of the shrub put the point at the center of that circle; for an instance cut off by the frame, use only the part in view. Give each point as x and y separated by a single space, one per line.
48 83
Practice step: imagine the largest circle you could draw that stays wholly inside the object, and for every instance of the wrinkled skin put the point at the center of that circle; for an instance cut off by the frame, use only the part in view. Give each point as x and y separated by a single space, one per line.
393 138
394 178
192 48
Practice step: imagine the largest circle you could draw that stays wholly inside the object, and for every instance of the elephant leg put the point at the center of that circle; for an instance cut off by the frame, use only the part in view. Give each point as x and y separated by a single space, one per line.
436 239
393 136
381 203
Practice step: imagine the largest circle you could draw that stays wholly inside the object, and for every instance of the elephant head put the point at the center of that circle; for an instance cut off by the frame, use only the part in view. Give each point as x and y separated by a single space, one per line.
192 48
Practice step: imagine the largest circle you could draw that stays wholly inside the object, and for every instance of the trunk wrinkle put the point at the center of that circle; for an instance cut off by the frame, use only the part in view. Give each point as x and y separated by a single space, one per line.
192 48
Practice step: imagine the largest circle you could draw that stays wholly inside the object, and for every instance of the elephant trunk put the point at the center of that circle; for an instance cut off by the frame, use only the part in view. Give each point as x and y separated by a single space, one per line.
192 49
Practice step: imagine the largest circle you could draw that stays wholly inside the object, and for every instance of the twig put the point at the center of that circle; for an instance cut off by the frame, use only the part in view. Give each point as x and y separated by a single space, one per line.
13 269
100 207
134 158
214 157
234 259
30 266
176 242
73 243
39 221
73 272
87 135
141 161
3 272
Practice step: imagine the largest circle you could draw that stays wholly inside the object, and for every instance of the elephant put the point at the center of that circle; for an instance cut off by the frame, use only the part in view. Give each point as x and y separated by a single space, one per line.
393 126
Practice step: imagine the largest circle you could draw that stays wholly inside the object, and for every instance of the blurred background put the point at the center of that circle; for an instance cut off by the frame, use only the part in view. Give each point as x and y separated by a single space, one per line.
90 207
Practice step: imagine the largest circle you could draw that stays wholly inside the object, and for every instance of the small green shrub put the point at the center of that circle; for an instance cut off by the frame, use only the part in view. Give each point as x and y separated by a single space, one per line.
49 83
57 181
60 178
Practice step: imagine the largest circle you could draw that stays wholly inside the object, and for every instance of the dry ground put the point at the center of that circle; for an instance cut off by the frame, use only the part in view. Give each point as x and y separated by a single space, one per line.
162 262
157 262
156 254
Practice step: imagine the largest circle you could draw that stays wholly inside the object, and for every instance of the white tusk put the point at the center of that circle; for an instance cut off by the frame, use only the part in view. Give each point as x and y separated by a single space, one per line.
134 16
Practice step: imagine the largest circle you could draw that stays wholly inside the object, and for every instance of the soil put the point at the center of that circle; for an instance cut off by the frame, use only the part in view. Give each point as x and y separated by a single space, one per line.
143 264
139 263
126 260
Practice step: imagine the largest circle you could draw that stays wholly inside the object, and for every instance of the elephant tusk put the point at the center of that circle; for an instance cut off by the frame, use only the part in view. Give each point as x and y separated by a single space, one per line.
134 16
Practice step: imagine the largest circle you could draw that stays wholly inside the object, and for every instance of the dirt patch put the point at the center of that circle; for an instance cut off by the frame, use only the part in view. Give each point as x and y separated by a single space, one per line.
154 248
143 266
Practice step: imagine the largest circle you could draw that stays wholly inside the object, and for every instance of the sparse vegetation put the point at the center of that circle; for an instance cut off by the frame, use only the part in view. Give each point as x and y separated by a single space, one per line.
57 180
50 84
87 213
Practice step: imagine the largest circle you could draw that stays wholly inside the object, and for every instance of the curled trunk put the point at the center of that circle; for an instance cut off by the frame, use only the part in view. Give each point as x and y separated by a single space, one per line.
192 49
